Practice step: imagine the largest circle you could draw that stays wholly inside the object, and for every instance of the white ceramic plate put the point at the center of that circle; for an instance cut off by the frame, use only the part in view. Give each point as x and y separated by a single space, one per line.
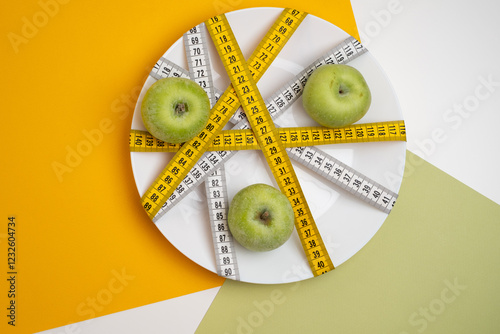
346 224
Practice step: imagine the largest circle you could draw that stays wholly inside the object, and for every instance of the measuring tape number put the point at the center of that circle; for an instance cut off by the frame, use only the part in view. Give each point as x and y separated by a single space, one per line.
244 139
225 257
198 59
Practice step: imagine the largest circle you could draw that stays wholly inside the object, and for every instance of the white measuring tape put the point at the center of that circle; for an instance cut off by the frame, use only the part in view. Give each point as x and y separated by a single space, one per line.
225 256
198 59
200 70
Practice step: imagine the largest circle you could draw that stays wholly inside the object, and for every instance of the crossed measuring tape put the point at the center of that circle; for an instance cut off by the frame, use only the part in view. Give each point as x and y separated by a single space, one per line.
202 158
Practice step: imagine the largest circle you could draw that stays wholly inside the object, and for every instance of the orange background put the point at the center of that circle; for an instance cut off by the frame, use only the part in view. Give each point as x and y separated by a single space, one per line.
70 73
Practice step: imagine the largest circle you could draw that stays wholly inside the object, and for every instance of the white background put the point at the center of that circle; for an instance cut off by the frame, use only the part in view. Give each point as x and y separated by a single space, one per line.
435 54
438 56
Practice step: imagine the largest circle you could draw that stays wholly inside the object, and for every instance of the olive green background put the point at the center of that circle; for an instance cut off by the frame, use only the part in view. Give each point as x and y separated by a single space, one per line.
432 267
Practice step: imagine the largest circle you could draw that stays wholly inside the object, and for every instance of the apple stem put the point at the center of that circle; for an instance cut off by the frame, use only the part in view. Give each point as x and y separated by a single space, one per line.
343 90
180 108
265 217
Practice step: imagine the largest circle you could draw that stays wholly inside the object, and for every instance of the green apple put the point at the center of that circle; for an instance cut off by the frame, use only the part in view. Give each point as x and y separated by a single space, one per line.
175 109
260 217
336 95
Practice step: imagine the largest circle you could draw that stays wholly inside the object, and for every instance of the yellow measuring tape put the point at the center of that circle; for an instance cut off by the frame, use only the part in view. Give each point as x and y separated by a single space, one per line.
236 140
185 158
268 136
